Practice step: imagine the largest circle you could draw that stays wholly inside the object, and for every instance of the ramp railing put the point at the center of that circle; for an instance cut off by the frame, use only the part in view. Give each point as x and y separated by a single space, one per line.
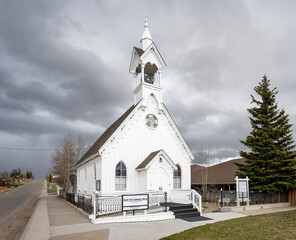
187 196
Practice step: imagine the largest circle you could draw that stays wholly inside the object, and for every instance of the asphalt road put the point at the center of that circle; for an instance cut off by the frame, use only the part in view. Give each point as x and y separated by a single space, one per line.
16 208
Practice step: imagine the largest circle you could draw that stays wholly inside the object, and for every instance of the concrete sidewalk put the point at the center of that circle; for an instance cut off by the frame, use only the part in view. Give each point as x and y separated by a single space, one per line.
54 219
67 222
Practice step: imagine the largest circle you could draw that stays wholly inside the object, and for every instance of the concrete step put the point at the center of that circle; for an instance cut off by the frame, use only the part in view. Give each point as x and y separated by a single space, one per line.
183 210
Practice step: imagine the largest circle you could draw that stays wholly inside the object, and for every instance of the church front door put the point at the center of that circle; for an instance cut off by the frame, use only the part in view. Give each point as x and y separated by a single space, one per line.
161 180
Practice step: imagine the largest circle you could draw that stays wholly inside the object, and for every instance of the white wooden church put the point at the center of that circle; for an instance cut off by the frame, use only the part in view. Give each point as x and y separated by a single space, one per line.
143 150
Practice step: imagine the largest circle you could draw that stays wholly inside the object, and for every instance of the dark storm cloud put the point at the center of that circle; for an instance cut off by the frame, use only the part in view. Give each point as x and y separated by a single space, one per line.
56 76
64 64
47 83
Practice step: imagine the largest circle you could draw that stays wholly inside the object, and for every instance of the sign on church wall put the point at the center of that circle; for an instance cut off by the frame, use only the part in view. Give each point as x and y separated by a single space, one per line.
135 202
98 185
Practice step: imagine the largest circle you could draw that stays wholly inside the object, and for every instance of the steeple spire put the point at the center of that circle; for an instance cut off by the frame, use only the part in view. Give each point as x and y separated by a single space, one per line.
146 37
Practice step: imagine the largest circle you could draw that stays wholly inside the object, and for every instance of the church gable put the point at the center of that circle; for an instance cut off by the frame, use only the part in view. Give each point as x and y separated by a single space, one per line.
153 56
145 129
160 156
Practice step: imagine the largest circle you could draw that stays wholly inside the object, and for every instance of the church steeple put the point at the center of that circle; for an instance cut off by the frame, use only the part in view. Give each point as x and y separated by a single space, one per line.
146 39
148 63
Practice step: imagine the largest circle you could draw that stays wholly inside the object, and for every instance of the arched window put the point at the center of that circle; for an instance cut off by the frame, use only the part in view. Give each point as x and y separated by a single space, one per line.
177 177
120 177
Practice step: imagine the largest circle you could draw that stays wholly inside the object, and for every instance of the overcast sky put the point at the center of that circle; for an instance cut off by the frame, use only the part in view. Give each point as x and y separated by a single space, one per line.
64 65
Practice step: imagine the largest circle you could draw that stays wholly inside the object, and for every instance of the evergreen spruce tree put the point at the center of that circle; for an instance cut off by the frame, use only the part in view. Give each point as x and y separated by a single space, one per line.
271 163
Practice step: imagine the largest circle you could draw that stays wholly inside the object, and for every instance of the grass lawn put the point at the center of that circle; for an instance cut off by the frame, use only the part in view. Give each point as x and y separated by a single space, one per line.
281 225
51 188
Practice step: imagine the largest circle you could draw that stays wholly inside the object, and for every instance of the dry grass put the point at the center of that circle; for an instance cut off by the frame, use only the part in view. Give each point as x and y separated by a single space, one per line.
10 188
6 189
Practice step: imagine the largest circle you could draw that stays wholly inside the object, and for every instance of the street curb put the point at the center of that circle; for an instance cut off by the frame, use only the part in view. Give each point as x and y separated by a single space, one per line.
31 218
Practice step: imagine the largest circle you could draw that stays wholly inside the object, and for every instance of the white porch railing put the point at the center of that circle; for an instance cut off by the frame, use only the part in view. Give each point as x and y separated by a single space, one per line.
155 198
187 196
112 204
106 205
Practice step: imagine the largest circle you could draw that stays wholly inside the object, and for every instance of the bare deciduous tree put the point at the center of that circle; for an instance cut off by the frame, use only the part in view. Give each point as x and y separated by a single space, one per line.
205 158
64 160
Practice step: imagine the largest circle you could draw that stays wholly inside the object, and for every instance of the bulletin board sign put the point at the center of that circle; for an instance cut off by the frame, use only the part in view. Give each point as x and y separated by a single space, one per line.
135 202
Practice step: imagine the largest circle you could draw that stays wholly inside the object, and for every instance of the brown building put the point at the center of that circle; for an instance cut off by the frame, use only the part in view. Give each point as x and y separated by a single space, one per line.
221 175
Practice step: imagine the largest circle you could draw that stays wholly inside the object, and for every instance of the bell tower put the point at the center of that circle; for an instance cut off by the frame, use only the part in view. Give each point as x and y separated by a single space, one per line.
146 65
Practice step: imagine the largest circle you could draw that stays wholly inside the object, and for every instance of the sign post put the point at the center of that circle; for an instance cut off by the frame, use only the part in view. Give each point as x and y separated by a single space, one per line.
242 190
221 195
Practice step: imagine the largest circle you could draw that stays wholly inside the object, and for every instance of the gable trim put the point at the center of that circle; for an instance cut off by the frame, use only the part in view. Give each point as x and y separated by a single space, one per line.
149 159
152 45
179 134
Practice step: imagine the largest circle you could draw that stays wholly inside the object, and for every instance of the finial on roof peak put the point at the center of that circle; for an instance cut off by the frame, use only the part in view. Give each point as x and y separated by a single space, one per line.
146 37
146 22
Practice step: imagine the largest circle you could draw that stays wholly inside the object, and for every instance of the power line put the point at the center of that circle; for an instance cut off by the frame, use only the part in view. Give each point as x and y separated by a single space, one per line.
28 149
32 149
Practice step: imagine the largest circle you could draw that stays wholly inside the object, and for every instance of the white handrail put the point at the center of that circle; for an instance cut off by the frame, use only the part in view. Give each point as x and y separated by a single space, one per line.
187 196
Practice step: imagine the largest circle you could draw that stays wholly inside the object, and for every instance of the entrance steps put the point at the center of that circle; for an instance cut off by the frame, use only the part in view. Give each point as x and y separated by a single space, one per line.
183 210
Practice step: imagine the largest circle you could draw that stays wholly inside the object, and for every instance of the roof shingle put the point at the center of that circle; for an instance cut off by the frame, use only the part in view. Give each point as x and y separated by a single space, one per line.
147 160
105 136
222 173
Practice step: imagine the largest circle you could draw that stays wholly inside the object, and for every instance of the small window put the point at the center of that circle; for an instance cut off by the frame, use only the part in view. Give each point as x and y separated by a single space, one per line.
177 177
120 177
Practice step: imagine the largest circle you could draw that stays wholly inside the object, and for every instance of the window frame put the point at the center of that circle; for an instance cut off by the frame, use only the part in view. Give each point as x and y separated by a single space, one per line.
121 178
177 178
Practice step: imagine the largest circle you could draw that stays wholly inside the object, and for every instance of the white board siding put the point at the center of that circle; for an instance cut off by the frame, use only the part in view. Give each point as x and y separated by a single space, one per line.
135 141
131 143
